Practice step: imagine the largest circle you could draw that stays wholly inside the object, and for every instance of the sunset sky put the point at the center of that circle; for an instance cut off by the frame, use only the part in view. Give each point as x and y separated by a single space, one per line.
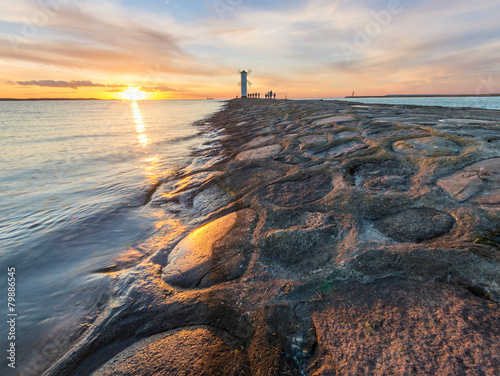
302 48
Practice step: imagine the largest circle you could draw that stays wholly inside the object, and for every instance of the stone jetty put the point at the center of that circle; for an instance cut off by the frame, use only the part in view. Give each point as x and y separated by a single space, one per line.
321 238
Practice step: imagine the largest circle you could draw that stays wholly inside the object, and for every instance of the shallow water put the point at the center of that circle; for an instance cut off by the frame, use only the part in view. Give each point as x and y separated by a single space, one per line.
75 176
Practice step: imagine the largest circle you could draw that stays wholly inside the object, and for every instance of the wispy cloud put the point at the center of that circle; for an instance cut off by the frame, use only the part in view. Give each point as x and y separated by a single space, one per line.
64 84
153 89
293 46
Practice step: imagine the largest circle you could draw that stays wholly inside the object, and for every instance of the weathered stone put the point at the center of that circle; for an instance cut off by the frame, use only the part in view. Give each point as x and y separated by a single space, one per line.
192 351
427 146
257 141
393 133
415 225
397 327
260 153
384 176
215 253
212 199
298 192
343 150
302 250
480 181
314 141
334 119
250 178
347 134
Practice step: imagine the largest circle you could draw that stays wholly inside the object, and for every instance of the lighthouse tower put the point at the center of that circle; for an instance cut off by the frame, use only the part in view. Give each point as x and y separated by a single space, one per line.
244 90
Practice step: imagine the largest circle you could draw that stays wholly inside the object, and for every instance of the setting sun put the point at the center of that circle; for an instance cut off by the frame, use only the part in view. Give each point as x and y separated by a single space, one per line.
133 94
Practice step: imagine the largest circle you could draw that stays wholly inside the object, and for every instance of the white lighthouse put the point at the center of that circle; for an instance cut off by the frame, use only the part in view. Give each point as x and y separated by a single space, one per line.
244 81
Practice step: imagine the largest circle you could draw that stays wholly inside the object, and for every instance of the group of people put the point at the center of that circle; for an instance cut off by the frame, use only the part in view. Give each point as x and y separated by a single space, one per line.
269 95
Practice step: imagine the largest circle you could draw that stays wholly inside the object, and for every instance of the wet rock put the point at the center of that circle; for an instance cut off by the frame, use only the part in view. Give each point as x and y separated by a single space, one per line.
260 153
415 225
479 182
427 146
250 178
383 176
212 199
298 192
192 351
215 253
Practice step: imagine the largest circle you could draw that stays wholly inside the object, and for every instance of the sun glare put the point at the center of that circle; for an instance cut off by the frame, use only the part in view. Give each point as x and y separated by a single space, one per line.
133 94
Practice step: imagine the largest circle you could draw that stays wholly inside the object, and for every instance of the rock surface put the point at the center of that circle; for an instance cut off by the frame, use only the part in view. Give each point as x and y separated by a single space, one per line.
215 253
196 351
480 181
322 238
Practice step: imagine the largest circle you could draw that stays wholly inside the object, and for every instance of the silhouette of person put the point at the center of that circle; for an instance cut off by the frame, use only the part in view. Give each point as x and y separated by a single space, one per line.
258 95
274 95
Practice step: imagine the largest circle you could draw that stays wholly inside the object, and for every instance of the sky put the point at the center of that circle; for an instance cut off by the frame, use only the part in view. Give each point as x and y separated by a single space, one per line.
173 49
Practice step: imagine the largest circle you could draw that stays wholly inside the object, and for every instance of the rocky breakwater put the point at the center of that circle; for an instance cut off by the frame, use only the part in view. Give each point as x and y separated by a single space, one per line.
326 238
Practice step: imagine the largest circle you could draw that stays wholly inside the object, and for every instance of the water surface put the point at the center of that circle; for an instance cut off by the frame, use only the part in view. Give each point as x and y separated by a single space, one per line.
75 177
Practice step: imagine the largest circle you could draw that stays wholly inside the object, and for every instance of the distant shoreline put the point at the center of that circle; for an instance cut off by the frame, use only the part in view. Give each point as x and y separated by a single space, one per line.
424 96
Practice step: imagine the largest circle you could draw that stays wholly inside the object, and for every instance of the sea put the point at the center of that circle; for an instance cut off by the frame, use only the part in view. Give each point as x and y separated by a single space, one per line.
74 180
492 103
75 177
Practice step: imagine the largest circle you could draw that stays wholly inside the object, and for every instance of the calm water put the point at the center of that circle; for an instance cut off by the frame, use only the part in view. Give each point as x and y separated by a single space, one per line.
477 102
73 181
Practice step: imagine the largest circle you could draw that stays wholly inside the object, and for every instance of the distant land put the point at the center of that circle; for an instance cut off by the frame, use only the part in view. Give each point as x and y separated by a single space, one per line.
424 95
51 99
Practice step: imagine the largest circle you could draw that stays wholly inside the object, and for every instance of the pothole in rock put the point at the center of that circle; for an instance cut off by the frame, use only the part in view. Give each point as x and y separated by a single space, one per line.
415 225
298 192
301 250
427 146
390 176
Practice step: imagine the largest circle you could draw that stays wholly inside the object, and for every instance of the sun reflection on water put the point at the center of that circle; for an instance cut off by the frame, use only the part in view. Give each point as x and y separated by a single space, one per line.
140 127
152 162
